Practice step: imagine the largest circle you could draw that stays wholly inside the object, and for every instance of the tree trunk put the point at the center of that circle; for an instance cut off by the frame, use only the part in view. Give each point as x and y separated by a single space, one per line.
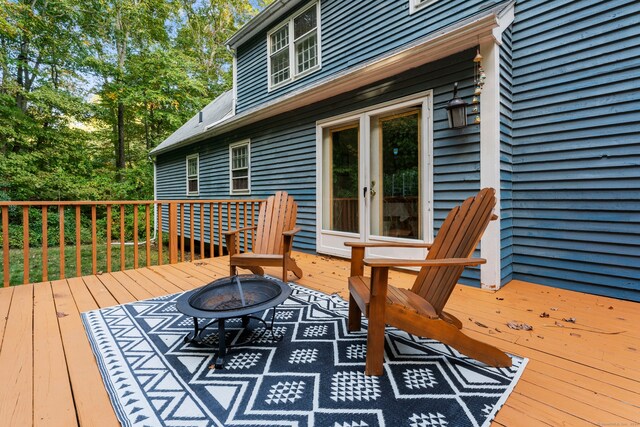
120 159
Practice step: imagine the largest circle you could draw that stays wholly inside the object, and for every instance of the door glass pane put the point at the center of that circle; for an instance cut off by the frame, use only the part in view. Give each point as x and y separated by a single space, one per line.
395 206
342 179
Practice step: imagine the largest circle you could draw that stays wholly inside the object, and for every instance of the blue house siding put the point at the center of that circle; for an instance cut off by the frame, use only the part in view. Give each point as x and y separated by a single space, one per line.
576 146
283 148
352 33
506 158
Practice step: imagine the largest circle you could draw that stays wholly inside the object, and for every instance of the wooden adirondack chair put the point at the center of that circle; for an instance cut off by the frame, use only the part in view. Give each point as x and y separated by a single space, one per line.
419 311
272 240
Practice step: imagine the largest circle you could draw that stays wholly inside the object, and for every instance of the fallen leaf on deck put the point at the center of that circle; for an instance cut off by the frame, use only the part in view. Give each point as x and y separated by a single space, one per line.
313 262
61 314
569 319
499 298
520 326
498 311
480 324
553 309
544 314
558 324
610 307
573 334
529 309
632 349
540 336
498 330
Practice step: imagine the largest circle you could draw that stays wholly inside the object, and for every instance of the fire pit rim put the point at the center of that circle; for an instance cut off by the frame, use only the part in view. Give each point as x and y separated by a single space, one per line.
183 304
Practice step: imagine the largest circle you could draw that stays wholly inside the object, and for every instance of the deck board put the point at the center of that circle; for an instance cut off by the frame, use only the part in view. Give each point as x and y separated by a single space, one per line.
574 376
16 361
52 397
92 403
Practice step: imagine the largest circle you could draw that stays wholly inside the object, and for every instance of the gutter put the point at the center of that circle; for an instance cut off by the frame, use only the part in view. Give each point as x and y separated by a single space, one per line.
455 38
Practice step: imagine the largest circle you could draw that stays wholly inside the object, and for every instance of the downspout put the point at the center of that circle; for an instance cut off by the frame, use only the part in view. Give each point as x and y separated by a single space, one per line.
155 197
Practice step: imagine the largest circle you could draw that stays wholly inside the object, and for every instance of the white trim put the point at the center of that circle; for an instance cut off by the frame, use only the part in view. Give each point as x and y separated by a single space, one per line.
189 157
490 160
155 197
363 117
416 6
247 143
505 19
293 69
234 98
490 273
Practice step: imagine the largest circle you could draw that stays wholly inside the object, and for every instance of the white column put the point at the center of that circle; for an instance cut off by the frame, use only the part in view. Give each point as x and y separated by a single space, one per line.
490 159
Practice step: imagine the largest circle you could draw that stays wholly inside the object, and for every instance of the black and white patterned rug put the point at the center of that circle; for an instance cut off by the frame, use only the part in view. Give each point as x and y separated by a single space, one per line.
314 376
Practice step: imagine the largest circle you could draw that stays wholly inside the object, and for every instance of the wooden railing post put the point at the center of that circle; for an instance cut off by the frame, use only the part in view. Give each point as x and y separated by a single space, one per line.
45 246
5 244
173 233
25 244
109 220
94 239
61 241
78 243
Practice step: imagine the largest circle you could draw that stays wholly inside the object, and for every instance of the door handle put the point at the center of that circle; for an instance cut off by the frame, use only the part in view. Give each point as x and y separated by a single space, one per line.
364 192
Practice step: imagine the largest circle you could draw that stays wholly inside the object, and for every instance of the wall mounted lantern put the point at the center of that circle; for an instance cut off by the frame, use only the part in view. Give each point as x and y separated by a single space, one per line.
456 110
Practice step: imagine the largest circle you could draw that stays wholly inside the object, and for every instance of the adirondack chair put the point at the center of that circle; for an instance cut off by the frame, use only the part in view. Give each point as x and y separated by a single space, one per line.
419 311
272 240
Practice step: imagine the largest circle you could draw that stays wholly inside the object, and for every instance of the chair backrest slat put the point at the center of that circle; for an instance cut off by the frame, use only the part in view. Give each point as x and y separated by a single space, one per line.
458 237
277 215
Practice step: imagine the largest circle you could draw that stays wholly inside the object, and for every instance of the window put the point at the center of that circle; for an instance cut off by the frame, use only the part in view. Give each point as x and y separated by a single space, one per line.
240 168
416 5
193 171
294 47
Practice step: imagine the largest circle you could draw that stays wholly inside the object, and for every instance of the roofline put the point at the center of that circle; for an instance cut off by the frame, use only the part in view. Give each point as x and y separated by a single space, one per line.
456 38
261 21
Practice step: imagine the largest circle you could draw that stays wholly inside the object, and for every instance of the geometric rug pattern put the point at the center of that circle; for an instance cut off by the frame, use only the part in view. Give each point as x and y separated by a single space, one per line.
313 376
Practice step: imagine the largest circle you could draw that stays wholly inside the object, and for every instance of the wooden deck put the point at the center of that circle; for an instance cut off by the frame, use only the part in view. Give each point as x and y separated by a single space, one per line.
582 373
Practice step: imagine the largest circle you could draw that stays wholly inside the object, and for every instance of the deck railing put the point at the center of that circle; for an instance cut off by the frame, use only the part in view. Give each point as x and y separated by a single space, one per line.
166 231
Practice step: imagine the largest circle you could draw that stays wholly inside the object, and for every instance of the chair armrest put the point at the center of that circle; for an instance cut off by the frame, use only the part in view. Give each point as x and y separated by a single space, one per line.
444 262
239 230
387 245
292 232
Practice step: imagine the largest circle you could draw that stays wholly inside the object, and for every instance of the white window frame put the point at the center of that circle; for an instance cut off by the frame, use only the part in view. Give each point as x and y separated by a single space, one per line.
233 146
197 175
293 69
417 5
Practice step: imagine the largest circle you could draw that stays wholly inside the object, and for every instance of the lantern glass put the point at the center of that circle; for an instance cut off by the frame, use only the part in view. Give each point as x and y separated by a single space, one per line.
456 110
457 116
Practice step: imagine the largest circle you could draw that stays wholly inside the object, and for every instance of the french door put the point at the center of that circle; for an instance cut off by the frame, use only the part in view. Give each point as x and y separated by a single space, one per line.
373 174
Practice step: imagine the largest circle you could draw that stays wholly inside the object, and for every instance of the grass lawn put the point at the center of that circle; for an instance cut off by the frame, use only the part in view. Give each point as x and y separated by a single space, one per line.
53 264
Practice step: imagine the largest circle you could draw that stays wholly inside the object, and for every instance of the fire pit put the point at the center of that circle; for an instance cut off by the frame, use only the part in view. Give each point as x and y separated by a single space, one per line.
239 296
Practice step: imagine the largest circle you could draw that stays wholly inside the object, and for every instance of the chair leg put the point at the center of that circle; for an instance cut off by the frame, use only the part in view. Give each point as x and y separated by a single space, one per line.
355 315
289 264
375 346
232 270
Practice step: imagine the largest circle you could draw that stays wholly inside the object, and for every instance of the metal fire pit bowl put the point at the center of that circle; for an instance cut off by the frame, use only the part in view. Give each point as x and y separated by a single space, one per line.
239 296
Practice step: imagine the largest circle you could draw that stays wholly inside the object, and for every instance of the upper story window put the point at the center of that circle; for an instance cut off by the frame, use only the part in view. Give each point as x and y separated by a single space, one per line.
193 171
240 168
416 5
294 47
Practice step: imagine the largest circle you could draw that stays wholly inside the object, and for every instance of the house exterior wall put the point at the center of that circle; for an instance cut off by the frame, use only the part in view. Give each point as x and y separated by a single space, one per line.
576 145
283 148
352 33
506 158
